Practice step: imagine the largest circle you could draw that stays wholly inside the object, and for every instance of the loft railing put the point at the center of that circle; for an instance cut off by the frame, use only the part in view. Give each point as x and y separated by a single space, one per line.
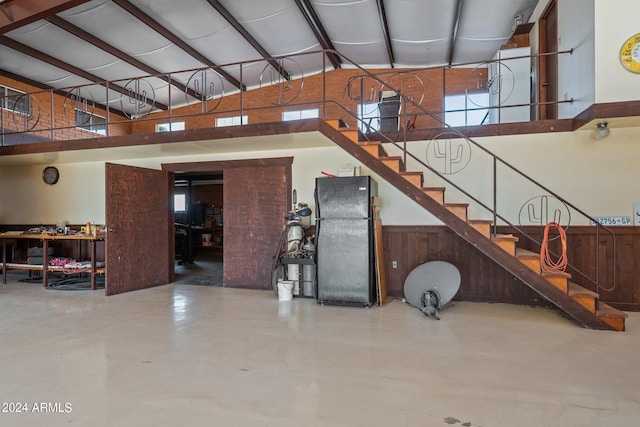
137 105
451 152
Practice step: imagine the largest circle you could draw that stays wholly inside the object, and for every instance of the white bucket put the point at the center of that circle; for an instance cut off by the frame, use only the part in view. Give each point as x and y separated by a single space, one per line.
285 290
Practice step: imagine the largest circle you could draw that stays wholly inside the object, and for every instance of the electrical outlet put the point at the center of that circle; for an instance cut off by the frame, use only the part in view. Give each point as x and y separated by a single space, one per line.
394 264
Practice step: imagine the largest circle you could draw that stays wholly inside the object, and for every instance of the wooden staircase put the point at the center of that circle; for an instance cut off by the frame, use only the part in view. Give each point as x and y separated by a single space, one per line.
579 303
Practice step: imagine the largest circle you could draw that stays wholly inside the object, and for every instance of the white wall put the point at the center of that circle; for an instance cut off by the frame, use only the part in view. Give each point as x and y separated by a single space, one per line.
599 177
616 21
78 196
576 74
596 30
576 71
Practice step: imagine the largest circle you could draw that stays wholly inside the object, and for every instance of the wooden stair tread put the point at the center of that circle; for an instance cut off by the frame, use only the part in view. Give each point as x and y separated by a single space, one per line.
555 274
605 310
573 298
351 133
523 253
505 237
576 290
336 123
481 221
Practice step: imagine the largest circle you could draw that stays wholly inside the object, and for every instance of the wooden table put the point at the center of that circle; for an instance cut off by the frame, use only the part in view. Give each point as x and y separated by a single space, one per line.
45 267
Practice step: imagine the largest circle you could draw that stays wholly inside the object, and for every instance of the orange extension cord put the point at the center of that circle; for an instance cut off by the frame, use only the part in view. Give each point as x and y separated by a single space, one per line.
546 263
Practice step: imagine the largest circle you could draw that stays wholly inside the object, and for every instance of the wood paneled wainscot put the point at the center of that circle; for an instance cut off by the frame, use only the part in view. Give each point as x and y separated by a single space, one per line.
485 281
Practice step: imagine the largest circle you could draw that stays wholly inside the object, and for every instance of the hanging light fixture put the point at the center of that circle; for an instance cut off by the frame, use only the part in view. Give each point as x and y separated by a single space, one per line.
602 130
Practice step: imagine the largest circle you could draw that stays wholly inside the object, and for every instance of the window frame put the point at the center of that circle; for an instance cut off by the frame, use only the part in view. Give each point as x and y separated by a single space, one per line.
6 105
243 120
91 125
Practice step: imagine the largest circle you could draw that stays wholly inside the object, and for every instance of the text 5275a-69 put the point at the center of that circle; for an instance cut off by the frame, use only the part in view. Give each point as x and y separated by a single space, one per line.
36 407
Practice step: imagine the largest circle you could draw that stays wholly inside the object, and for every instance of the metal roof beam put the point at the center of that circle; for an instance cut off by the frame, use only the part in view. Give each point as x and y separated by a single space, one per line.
43 87
41 56
454 30
15 14
385 29
150 22
80 33
318 29
248 37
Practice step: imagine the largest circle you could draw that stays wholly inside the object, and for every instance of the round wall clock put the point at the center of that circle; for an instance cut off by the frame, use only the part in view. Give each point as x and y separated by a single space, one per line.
50 175
630 54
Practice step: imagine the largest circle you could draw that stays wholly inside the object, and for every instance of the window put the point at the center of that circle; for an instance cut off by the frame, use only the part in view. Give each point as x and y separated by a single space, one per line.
168 127
14 100
310 113
232 121
180 202
369 117
91 122
459 110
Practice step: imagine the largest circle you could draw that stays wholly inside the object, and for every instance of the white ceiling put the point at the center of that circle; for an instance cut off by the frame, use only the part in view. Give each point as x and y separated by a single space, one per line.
421 33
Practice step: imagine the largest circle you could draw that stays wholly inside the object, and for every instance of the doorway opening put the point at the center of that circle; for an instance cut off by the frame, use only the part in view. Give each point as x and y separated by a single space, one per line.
199 227
256 195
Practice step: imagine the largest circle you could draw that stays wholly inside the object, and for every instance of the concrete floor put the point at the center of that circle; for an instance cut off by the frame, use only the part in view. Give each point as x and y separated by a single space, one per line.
185 355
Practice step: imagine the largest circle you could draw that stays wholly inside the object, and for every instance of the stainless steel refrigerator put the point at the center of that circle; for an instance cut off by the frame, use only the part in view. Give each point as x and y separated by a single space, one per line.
344 240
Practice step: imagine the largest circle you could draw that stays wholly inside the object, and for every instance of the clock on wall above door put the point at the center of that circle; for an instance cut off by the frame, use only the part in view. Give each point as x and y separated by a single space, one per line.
50 175
630 54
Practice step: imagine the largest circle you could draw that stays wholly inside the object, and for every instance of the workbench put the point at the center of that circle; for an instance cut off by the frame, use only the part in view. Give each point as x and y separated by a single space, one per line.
11 238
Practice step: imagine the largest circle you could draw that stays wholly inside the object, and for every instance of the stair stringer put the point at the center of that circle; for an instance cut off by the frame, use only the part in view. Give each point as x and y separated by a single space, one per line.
508 262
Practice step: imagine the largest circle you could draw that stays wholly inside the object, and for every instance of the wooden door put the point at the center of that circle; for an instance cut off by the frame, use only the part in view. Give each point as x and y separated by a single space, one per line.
256 199
139 243
548 64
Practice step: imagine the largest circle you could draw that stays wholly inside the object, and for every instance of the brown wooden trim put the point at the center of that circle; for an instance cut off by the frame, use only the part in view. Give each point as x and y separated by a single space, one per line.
521 128
245 131
545 80
575 229
218 165
584 117
617 109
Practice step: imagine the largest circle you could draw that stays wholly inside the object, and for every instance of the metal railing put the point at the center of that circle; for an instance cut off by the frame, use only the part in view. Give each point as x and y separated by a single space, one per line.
142 103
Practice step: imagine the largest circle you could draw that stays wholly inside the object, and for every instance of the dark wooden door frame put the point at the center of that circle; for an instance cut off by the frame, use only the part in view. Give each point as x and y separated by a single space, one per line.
221 165
548 65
